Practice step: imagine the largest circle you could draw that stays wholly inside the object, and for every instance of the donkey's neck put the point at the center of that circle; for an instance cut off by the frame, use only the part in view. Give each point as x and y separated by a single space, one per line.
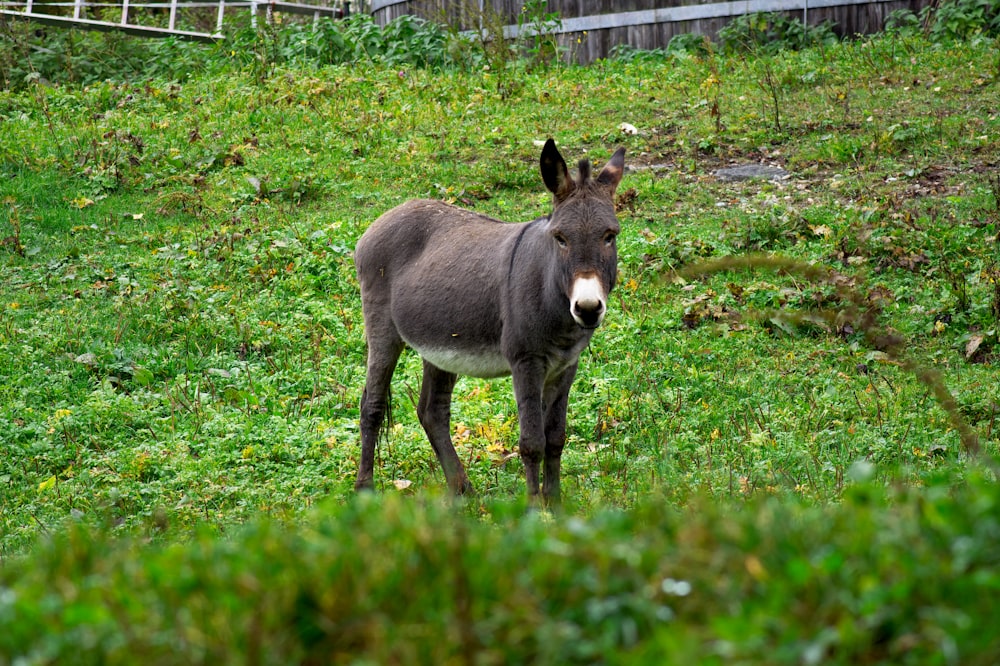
517 246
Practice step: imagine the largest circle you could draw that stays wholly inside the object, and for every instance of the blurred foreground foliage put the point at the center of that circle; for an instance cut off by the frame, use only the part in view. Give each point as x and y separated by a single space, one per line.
901 576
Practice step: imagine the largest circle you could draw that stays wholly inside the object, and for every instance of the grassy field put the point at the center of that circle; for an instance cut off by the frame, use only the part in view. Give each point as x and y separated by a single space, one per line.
181 343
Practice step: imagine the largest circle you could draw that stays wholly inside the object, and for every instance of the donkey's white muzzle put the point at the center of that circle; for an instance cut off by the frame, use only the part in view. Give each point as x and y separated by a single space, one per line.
587 301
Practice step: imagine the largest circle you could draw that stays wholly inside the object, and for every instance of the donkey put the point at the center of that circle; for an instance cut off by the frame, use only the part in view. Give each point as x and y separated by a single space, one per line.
476 296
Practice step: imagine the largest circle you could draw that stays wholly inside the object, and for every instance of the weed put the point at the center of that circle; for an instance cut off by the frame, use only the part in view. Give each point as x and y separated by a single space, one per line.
537 28
857 312
499 54
769 85
711 87
13 241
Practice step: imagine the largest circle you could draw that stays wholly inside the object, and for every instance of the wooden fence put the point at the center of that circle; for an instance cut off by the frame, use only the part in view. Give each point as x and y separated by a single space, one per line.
589 29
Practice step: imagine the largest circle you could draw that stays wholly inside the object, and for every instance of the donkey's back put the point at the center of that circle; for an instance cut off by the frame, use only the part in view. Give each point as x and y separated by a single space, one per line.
401 235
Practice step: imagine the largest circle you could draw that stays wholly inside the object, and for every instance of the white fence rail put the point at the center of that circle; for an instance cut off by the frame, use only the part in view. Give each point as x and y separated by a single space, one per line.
74 13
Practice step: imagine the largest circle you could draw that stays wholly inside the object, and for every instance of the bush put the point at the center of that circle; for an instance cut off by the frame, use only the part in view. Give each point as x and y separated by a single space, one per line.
948 21
73 56
687 44
877 579
772 33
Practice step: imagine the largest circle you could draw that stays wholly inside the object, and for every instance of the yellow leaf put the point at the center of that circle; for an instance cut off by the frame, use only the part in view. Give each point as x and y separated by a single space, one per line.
755 568
83 202
47 484
973 346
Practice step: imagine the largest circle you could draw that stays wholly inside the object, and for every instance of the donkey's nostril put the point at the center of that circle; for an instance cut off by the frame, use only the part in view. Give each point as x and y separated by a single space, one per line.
589 313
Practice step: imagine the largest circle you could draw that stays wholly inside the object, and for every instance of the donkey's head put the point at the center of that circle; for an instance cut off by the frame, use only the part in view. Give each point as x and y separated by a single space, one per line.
582 231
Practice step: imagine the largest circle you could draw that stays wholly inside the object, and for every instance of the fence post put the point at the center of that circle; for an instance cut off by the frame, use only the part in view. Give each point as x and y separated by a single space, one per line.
27 7
218 22
173 14
77 8
124 20
253 14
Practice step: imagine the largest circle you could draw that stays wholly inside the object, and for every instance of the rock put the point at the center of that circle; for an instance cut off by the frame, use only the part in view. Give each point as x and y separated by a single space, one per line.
88 359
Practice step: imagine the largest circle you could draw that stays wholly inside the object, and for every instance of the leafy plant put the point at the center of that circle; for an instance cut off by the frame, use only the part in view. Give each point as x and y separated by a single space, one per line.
537 28
961 19
948 21
765 32
903 22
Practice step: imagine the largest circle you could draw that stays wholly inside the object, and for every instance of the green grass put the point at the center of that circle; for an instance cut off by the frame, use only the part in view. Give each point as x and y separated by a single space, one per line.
183 329
182 352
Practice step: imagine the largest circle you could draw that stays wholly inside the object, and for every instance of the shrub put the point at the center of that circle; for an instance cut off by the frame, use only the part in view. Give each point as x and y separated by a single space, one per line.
773 32
73 56
876 579
948 21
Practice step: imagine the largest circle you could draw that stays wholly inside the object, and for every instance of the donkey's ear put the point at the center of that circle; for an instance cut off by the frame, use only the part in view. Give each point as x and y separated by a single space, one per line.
554 172
612 172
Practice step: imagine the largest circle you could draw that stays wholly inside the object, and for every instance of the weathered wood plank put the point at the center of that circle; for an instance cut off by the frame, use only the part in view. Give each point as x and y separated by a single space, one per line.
692 13
589 29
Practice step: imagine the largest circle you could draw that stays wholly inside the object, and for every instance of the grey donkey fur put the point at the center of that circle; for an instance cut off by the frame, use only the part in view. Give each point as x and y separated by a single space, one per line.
476 296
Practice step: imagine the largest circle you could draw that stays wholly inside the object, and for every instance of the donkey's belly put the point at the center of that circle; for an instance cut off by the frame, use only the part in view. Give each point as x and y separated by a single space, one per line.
449 312
483 363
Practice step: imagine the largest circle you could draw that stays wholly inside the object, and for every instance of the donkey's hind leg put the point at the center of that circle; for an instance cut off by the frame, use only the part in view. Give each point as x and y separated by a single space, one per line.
434 410
384 348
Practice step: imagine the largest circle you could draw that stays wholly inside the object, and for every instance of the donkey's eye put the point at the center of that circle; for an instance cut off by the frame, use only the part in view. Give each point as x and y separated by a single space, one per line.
609 238
560 239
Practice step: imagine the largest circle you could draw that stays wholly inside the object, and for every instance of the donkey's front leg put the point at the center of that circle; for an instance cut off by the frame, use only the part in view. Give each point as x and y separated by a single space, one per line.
556 401
529 378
